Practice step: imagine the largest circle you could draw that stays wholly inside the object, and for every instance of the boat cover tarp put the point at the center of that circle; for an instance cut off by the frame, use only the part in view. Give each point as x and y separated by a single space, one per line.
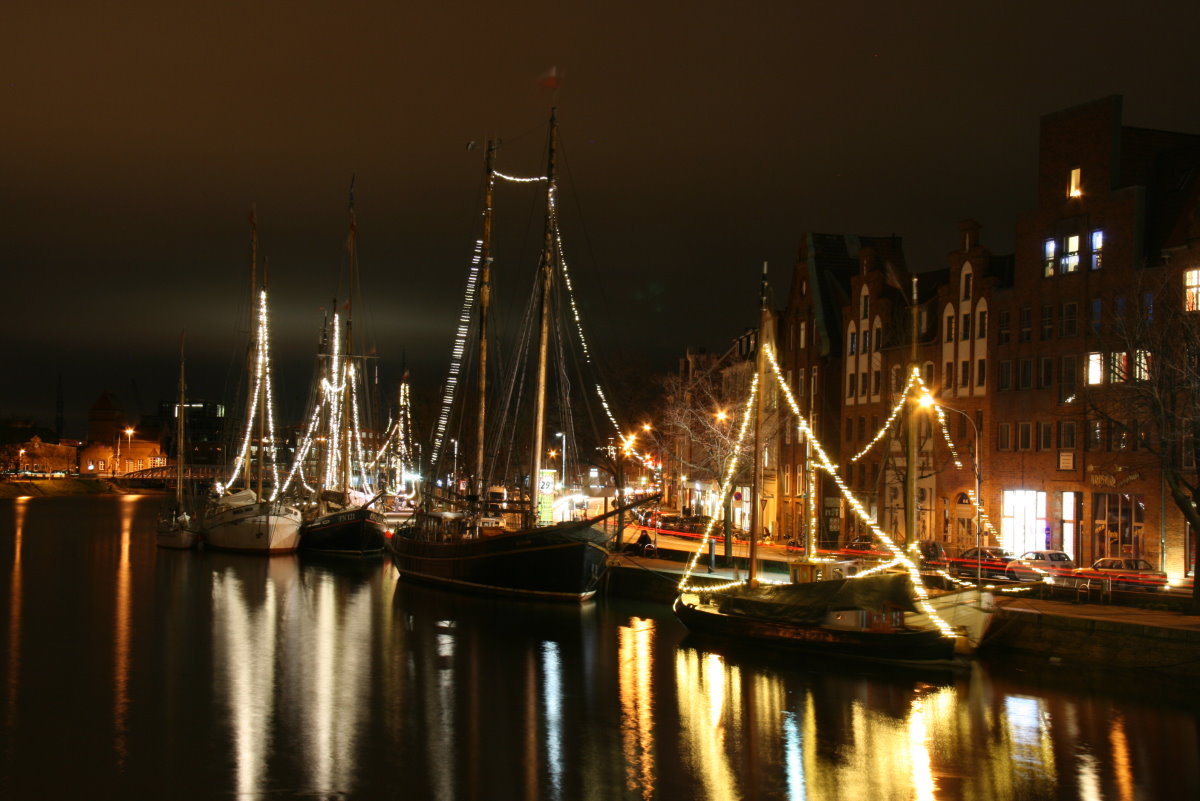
809 603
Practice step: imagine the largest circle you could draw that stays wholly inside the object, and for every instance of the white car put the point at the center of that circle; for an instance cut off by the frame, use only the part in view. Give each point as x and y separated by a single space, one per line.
1125 574
1040 566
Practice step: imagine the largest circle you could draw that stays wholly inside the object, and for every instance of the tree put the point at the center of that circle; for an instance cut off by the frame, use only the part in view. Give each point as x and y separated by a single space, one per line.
1143 390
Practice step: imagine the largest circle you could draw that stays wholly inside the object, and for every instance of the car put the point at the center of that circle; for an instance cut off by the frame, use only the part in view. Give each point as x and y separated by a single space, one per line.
1040 565
1125 574
990 562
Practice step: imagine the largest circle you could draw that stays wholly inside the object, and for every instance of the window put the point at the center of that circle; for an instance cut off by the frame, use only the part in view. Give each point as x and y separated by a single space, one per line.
966 286
1004 437
1095 435
1095 312
929 373
1095 369
1026 332
866 341
966 327
1024 436
964 373
1070 257
1047 321
1141 365
875 381
981 372
1191 290
852 346
897 381
862 383
1046 373
1066 380
878 338
1120 437
948 375
1075 188
1025 374
1049 257
1118 366
1004 379
866 305
1066 434
1148 305
803 333
981 329
1097 249
1045 436
949 327
852 385
1069 324
849 429
862 429
100 465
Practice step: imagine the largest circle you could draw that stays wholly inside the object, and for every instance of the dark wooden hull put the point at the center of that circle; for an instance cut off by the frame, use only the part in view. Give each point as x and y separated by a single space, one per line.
925 646
353 532
560 563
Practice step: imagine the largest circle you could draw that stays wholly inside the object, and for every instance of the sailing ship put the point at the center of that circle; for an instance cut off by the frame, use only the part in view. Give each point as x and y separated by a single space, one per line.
340 516
500 536
885 613
253 519
178 527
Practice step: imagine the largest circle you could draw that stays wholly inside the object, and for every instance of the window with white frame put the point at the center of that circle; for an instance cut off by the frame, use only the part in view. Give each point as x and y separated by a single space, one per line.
1097 249
1191 290
1118 366
1024 436
1004 437
1070 257
1049 257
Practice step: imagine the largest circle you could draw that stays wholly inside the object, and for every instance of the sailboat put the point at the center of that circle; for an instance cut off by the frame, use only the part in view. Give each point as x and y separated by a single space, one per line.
341 516
251 518
178 527
882 614
481 536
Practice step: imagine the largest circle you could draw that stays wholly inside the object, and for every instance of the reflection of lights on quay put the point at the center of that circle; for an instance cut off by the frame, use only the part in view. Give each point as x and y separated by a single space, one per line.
14 615
121 632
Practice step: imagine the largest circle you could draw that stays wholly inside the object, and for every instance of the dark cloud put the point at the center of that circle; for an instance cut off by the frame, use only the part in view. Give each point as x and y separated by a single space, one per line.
699 139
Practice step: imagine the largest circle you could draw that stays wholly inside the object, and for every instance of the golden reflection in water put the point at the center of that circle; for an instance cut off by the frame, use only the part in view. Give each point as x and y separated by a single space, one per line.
244 653
1121 763
122 633
924 787
14 615
709 695
635 646
332 681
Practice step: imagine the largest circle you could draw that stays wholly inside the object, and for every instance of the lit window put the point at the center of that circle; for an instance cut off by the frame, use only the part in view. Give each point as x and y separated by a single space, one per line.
1076 189
1191 290
1095 368
803 332
1049 251
1097 249
1118 366
1070 257
1141 366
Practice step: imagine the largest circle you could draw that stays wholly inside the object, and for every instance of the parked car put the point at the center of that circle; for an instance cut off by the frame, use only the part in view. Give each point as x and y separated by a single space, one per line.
990 562
1125 574
1039 565
864 546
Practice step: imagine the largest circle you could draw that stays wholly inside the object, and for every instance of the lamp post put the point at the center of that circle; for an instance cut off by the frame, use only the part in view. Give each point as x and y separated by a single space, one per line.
128 442
928 400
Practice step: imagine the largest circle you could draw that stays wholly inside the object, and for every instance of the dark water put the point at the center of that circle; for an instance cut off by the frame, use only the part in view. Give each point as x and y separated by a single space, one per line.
131 672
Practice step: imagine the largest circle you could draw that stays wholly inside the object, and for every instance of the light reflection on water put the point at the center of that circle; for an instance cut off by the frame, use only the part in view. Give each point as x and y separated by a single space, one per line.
255 678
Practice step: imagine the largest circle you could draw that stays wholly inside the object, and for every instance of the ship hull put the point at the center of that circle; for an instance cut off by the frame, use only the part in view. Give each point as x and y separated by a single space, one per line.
918 646
559 563
263 527
351 532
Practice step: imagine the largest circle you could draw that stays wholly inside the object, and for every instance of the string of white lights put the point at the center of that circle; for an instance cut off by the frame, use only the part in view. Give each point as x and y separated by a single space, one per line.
887 424
516 180
456 355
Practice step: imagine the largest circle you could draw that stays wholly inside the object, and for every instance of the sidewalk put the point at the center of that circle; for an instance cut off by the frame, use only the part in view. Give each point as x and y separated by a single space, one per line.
1111 613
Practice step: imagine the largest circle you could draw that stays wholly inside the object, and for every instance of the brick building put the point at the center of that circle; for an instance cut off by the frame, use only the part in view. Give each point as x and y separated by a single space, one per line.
1039 357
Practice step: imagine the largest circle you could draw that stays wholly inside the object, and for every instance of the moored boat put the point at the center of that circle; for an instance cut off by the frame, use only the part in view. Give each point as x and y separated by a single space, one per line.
178 527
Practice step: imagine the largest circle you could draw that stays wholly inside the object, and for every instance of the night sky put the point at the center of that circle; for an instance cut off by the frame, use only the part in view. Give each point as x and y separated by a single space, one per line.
699 139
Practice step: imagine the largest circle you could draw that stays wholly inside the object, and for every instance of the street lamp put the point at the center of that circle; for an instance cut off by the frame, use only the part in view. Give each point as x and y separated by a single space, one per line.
128 442
928 400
